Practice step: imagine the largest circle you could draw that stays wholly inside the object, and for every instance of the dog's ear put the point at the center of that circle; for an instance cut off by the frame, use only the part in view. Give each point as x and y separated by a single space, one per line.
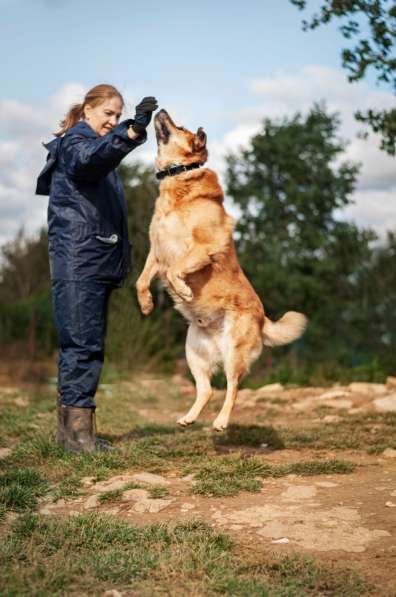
200 139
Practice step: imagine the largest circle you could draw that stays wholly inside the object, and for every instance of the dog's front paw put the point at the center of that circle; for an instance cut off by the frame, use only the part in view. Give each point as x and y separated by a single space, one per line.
185 293
180 287
146 304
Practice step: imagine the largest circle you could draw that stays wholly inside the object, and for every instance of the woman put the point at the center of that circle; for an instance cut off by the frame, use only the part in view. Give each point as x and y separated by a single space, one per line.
89 251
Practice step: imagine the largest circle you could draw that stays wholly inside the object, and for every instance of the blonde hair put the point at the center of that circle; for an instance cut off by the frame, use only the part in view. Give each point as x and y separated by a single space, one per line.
95 96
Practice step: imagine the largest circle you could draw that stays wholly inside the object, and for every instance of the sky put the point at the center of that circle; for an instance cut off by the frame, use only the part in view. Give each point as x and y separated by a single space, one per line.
223 65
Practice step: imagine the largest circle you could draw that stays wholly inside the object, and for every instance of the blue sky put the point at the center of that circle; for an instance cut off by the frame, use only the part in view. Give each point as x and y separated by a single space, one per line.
197 54
224 65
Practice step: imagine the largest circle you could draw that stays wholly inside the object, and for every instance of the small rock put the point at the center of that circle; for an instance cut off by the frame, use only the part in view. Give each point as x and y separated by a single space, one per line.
393 493
390 505
92 502
4 453
387 404
152 505
333 394
389 453
282 540
338 403
112 593
150 479
270 388
117 482
187 506
367 388
134 495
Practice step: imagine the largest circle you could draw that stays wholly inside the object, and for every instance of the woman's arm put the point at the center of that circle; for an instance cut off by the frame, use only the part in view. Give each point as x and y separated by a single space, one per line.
92 158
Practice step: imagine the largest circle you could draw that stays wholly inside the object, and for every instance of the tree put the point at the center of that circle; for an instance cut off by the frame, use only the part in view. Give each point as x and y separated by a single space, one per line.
371 24
24 266
291 243
141 191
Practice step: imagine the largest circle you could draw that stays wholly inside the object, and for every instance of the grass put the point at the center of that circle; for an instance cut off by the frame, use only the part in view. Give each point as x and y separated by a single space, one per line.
100 551
229 475
39 555
113 495
158 491
20 488
372 432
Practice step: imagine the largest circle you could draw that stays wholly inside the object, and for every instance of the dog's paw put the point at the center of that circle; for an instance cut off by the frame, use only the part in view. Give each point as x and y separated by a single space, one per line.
185 293
180 287
220 423
185 421
146 303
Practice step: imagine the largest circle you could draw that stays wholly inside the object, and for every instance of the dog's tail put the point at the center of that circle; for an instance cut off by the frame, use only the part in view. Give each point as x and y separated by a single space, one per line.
287 329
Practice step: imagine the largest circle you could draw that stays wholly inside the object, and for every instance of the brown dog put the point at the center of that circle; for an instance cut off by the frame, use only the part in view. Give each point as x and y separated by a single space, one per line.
193 253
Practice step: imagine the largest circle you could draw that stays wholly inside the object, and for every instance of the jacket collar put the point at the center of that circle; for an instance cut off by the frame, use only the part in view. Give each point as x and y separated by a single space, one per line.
82 128
53 147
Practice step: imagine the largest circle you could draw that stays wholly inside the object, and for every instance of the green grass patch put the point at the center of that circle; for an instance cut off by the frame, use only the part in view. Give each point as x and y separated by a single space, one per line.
114 495
158 491
372 432
20 488
93 553
229 475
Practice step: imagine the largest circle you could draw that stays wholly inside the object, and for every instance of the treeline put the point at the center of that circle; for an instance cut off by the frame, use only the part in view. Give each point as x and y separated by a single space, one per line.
287 188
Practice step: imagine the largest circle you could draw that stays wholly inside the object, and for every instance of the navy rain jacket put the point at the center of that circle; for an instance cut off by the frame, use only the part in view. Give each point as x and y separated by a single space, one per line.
87 214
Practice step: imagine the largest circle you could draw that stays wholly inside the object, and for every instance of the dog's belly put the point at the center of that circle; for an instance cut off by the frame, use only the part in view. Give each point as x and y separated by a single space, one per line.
170 239
212 320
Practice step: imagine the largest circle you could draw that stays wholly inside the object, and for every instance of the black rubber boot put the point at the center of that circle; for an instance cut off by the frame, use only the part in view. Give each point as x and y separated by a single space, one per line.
77 430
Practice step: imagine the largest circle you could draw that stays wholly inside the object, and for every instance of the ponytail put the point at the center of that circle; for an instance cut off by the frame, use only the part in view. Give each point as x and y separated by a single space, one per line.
94 97
75 114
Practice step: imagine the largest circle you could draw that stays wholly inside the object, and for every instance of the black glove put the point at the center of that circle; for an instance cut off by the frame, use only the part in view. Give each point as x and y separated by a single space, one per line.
144 112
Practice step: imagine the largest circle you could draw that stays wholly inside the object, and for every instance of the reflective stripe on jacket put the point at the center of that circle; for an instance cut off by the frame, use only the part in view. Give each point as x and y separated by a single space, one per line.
87 214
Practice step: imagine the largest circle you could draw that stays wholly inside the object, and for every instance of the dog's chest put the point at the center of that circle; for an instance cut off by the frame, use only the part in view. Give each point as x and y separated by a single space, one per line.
169 234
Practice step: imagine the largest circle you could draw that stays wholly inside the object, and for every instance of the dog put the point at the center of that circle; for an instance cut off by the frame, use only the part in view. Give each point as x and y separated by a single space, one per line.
193 253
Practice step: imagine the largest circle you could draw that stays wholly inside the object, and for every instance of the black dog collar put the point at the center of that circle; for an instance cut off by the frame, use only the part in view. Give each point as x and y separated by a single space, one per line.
173 170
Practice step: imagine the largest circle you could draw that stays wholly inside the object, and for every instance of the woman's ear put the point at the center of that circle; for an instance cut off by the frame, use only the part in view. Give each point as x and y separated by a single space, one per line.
86 111
200 139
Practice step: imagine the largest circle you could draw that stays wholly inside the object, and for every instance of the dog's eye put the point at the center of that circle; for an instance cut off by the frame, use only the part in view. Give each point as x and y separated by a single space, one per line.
181 128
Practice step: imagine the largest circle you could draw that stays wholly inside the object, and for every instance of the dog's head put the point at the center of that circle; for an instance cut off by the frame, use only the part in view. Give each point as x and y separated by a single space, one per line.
177 145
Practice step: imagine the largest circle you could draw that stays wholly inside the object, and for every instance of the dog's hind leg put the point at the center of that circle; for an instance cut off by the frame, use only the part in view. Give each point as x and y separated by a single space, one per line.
200 360
234 371
241 345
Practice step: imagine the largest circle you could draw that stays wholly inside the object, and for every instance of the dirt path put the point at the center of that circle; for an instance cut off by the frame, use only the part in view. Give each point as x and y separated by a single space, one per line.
343 519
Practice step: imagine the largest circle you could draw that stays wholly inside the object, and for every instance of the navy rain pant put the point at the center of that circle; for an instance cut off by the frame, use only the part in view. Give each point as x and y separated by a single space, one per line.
80 314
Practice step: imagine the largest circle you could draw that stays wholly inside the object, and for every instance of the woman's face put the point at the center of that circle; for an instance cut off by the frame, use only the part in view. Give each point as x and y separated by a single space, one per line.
105 116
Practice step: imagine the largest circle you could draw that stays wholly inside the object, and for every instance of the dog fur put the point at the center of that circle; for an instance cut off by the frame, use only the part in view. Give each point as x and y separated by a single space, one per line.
192 252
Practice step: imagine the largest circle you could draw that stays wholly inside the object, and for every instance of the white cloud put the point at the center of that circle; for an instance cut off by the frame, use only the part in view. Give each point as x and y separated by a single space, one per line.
284 95
23 127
